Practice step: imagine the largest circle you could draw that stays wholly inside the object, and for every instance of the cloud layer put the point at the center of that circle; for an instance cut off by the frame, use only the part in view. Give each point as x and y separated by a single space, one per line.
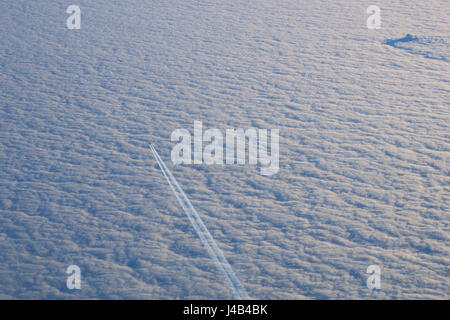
364 146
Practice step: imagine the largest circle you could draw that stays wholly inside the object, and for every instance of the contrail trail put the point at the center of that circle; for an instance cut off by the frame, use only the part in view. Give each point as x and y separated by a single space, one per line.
214 251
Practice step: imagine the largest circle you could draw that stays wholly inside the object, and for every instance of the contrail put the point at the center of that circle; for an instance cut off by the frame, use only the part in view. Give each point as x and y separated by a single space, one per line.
214 251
